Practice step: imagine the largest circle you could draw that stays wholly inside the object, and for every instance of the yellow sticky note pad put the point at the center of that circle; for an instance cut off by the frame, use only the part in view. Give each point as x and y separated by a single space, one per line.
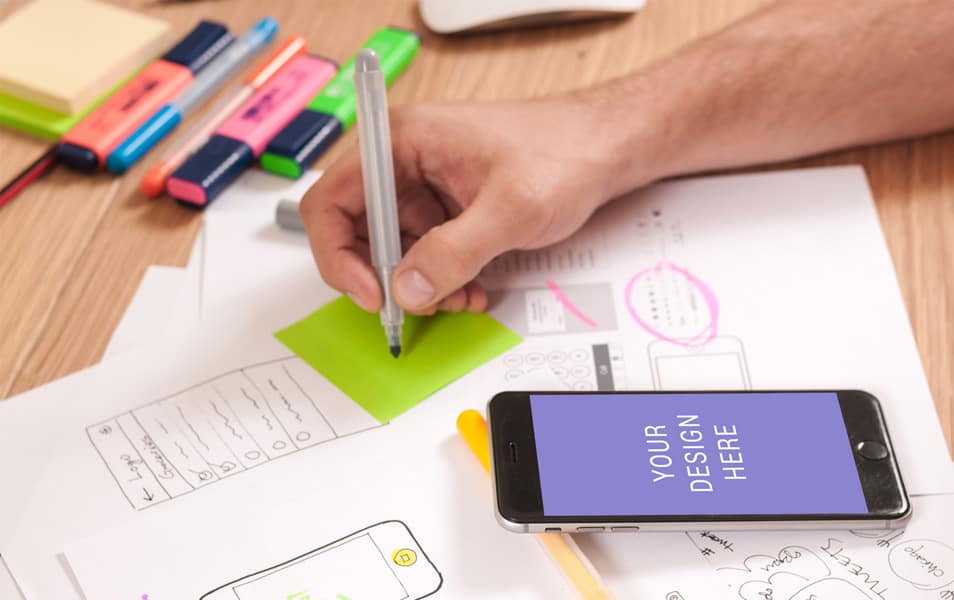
64 54
347 346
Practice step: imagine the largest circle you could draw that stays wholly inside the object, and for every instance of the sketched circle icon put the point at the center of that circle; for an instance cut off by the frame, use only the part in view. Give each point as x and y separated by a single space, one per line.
925 564
105 430
674 596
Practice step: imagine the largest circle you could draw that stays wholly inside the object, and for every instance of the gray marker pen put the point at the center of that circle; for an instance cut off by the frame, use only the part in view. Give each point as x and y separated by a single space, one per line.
377 169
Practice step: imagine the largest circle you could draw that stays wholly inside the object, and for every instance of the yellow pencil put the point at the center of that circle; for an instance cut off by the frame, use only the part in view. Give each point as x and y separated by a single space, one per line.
562 549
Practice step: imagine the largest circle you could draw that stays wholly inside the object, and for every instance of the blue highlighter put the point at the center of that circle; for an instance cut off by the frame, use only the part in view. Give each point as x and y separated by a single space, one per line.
169 116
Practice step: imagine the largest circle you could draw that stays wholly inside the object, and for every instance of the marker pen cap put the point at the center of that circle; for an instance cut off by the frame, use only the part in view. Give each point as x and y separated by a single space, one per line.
196 50
86 146
394 47
301 143
209 171
206 173
293 151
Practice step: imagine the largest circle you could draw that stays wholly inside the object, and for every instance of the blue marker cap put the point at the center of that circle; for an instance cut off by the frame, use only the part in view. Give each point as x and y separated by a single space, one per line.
209 171
306 138
266 28
203 44
148 134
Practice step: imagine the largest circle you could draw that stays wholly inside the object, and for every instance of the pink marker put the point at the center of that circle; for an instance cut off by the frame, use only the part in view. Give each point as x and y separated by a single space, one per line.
243 137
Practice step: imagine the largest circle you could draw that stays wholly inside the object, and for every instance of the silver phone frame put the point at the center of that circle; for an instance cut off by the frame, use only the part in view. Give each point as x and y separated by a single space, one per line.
677 526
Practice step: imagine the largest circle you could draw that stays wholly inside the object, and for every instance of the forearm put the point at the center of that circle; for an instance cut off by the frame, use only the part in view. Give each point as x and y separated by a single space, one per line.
797 78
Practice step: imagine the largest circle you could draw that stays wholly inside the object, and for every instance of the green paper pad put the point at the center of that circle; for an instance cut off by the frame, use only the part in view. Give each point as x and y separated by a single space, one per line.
347 346
42 122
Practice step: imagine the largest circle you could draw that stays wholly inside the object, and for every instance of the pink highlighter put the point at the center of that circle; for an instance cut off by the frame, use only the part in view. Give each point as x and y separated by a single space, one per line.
243 137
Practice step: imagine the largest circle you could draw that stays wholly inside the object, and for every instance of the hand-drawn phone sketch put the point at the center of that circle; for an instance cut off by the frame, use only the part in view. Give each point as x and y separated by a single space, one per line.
719 365
553 309
581 367
381 562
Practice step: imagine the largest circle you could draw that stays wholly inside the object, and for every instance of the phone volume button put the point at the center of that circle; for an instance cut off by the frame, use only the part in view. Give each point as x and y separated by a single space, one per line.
590 529
626 529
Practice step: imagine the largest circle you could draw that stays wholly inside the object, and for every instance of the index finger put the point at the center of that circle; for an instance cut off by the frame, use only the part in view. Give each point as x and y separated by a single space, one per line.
329 210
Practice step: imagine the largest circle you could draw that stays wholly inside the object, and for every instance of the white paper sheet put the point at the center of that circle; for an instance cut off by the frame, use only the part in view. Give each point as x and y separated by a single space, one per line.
173 297
170 297
8 587
247 256
806 299
258 192
442 495
150 311
245 252
188 306
776 281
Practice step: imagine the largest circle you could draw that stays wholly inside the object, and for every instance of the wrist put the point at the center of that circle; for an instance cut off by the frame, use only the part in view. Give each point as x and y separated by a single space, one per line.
629 126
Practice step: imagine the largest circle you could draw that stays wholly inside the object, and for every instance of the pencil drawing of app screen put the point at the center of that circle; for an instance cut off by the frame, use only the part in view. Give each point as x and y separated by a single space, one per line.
353 570
564 309
720 365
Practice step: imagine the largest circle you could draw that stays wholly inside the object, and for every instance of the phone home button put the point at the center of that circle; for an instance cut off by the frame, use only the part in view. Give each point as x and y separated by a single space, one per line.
872 450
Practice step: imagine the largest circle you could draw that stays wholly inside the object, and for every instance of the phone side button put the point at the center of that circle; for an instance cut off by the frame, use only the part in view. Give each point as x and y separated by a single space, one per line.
590 529
873 450
627 529
553 530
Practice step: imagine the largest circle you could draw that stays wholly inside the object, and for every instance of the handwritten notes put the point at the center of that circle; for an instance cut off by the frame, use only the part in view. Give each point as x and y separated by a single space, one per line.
347 346
916 563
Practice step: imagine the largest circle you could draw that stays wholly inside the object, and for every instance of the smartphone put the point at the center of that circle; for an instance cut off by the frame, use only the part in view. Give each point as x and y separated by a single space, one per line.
688 460
383 562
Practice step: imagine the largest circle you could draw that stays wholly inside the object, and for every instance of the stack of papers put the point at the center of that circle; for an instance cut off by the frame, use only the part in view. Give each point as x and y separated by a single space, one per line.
207 447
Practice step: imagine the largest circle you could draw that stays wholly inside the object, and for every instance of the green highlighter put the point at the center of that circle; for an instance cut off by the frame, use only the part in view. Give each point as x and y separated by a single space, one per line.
332 111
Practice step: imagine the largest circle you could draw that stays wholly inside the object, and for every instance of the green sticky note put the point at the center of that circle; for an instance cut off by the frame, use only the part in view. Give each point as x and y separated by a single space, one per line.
347 346
39 121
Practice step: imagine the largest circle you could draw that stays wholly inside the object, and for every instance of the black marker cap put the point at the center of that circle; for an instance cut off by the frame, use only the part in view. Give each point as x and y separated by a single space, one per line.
200 46
77 157
306 138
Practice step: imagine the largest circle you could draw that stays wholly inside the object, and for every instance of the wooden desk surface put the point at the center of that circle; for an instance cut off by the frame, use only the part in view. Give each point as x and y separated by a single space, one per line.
73 248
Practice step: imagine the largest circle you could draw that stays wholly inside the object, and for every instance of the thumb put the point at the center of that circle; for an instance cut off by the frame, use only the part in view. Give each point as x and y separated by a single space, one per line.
451 255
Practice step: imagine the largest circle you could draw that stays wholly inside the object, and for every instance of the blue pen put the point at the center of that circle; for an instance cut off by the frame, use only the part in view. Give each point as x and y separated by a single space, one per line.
168 117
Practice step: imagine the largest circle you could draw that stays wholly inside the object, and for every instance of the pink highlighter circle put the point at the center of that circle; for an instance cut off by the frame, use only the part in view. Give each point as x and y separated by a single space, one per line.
706 334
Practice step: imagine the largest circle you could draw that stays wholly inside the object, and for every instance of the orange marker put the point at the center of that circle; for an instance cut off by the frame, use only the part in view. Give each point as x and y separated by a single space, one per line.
154 180
86 146
579 571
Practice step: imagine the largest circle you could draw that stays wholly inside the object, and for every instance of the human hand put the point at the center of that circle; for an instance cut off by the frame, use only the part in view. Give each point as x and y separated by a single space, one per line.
473 181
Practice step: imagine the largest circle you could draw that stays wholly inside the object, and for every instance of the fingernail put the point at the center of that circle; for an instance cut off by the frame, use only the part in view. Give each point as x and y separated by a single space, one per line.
356 300
413 290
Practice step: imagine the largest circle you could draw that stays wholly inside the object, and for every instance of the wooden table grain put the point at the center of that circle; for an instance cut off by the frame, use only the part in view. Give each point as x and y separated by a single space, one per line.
73 248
